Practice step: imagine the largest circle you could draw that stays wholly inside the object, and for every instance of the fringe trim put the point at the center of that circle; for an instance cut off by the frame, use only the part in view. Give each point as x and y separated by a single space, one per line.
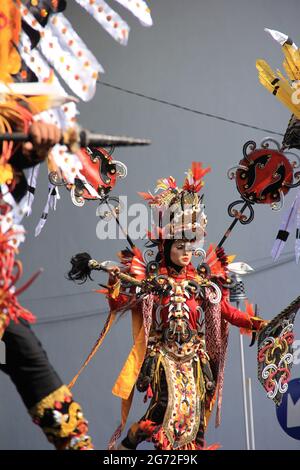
157 435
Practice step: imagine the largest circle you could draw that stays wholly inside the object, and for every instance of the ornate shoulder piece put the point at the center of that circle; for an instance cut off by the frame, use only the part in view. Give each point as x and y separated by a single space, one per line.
133 262
218 261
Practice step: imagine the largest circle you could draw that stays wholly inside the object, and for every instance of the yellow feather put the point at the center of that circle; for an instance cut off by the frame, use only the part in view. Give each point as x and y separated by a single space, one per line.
161 184
10 61
37 104
282 89
6 173
292 62
265 70
231 258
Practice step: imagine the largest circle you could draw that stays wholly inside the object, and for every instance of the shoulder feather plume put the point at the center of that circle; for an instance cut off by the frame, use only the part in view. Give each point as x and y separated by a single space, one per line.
217 260
133 262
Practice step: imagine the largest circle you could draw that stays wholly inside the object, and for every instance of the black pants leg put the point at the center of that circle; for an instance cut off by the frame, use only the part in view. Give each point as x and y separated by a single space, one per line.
155 413
49 402
27 364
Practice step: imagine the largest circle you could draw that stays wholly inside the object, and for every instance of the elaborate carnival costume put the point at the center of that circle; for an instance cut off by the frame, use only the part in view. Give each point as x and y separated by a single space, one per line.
181 317
181 314
27 32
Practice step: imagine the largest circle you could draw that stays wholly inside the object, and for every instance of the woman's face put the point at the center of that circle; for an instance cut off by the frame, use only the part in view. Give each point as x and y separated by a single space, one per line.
181 253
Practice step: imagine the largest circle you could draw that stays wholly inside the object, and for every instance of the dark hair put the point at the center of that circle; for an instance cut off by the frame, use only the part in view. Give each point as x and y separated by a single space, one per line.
80 270
167 255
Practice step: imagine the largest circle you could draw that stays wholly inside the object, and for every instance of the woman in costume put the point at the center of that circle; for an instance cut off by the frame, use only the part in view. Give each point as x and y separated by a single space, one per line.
180 315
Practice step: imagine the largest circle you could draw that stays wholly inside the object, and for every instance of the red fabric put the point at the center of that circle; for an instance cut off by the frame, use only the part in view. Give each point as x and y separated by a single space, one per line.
119 302
234 316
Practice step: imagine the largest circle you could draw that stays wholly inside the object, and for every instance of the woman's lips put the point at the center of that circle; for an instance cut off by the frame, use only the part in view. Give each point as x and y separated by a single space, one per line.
185 258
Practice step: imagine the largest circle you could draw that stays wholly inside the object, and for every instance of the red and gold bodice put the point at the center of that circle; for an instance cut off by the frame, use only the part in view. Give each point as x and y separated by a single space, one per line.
185 299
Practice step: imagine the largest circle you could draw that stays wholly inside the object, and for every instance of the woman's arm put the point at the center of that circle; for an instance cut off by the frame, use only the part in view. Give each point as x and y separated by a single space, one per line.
238 318
234 316
116 300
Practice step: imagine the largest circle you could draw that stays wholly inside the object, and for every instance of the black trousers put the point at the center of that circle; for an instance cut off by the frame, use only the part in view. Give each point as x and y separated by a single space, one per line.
27 364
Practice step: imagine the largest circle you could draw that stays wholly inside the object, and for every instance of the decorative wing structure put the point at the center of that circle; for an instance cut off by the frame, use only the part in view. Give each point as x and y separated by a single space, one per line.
275 352
49 39
40 48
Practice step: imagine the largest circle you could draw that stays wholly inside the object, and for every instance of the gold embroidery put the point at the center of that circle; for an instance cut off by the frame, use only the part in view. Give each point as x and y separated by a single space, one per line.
48 402
182 417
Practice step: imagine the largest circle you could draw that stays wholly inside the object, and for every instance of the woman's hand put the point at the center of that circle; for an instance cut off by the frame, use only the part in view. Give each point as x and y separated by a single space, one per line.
258 323
44 136
113 271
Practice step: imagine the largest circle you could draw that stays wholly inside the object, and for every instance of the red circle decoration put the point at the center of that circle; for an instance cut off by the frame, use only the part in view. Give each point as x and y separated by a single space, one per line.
98 170
265 173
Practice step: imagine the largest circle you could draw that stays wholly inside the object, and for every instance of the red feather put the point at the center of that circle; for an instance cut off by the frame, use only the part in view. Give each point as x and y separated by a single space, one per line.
248 313
146 196
215 261
193 182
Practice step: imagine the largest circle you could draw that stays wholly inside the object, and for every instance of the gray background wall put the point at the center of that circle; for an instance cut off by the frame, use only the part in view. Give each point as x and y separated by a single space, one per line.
200 54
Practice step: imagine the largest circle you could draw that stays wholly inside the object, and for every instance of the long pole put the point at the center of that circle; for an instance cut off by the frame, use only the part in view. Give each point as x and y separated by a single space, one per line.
84 138
246 418
113 212
252 435
231 227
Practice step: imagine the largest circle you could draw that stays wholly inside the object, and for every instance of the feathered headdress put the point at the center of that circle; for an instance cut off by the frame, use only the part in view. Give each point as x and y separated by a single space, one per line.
178 212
